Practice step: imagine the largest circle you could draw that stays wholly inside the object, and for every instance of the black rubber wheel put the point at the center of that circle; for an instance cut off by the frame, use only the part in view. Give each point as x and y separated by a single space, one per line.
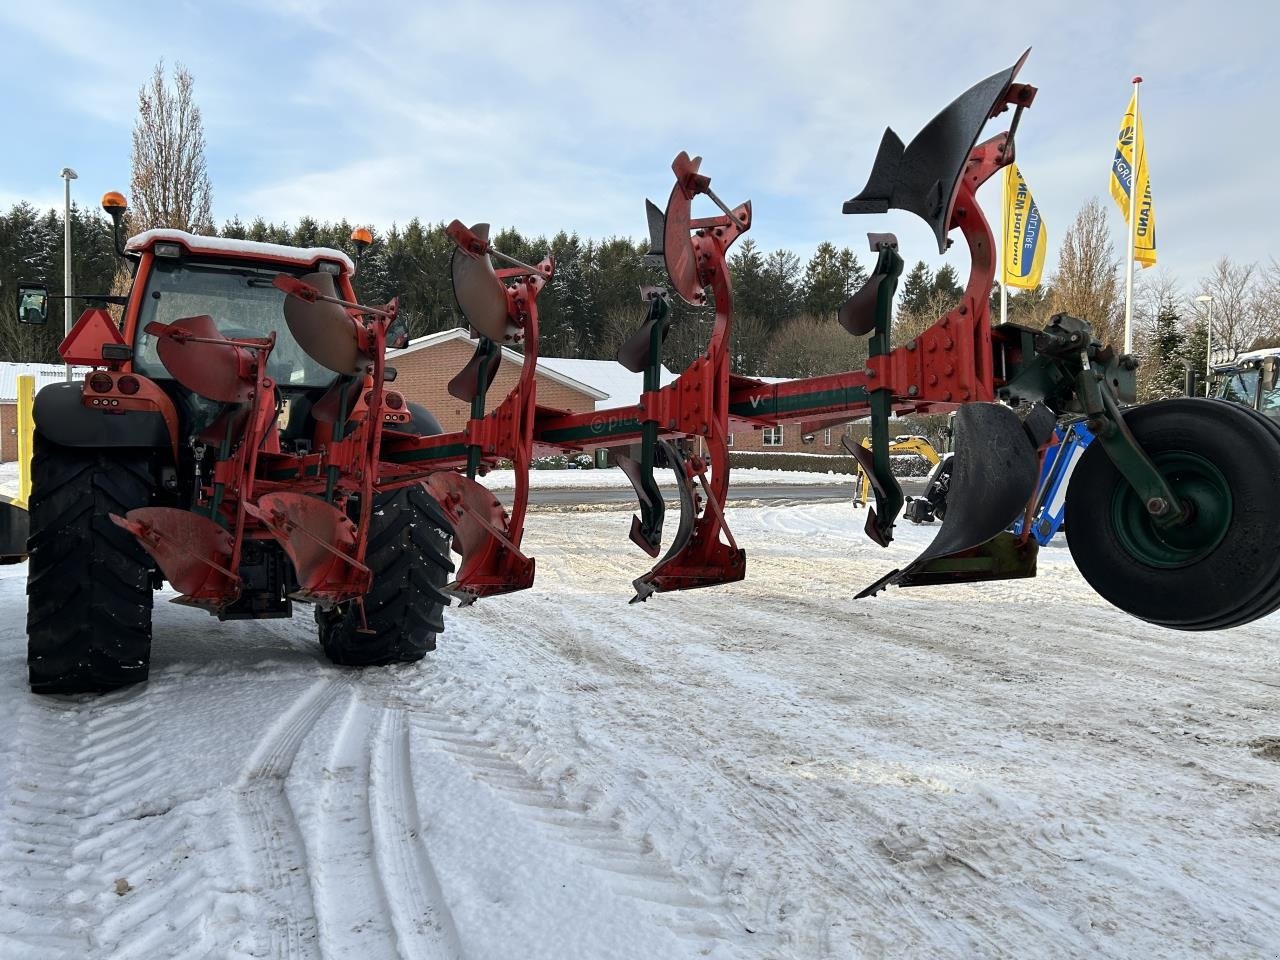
409 556
1220 570
89 582
1267 600
940 489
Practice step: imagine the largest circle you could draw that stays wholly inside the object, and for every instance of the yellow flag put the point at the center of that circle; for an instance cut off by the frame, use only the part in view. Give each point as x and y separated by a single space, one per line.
1131 155
1023 233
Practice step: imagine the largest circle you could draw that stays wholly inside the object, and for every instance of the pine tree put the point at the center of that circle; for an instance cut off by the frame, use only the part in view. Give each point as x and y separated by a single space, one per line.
823 285
851 272
947 282
781 271
916 289
1195 349
1167 357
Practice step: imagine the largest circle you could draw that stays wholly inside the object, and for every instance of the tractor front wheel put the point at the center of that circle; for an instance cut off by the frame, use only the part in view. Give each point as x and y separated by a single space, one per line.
88 582
1221 567
409 555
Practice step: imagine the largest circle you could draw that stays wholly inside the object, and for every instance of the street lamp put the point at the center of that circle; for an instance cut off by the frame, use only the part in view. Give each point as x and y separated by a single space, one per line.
67 175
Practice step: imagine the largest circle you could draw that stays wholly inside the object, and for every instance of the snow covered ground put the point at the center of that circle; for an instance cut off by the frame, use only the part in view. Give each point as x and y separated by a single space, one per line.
609 477
767 770
9 478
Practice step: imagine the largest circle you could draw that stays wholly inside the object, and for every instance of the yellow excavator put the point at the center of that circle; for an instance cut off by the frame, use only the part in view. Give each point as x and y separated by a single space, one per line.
905 444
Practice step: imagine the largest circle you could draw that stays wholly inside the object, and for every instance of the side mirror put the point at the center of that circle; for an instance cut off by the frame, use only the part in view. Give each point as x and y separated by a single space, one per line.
33 303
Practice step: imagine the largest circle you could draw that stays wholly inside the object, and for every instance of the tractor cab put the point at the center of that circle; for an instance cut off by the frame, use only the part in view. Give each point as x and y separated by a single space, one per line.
232 281
181 276
1250 379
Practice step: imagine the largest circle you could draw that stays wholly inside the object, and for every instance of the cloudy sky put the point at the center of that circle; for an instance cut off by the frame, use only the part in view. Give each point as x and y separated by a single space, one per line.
567 115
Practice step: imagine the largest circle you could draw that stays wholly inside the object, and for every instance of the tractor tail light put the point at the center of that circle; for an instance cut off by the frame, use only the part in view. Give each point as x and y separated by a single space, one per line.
394 401
128 385
101 383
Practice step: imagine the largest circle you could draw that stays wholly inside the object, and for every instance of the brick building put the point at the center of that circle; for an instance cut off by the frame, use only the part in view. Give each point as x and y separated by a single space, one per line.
426 366
45 374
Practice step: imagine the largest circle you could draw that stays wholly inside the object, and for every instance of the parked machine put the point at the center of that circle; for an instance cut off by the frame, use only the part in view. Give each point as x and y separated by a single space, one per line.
240 436
905 445
1250 379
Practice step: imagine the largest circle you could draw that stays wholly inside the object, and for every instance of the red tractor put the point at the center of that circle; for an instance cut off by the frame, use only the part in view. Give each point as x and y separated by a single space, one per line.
240 437
227 442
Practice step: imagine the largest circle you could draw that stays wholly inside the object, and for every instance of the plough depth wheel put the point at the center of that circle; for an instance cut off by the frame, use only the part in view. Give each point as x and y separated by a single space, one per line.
1220 568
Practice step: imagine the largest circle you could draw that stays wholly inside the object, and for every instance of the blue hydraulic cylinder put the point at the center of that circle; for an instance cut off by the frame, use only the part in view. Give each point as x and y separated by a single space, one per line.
1051 492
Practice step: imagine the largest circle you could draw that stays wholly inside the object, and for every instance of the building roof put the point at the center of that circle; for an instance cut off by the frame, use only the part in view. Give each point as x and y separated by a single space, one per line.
45 374
621 386
508 356
223 246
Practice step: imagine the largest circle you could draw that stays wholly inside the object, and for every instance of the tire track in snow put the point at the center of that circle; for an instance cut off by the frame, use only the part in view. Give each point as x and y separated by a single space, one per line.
424 928
347 888
89 812
43 914
878 881
593 836
271 840
142 840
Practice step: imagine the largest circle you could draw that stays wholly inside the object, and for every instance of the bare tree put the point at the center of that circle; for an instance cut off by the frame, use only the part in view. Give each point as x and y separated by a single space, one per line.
1266 305
1086 284
913 321
1235 322
170 186
1154 291
809 347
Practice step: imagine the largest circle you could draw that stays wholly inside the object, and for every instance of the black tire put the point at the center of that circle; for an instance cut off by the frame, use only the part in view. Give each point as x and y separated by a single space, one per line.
1269 600
89 582
1223 573
409 556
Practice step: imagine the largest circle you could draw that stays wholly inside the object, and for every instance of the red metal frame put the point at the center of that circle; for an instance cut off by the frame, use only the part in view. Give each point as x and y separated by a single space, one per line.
301 500
488 535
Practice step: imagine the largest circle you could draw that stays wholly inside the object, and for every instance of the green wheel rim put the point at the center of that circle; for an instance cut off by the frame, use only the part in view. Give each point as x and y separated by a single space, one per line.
1201 487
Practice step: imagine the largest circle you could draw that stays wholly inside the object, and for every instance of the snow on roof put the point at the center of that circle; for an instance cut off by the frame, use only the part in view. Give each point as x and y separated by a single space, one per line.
305 256
45 374
622 387
508 356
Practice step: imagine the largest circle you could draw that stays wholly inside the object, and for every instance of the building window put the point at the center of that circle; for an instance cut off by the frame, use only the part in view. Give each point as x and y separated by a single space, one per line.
826 437
729 441
772 437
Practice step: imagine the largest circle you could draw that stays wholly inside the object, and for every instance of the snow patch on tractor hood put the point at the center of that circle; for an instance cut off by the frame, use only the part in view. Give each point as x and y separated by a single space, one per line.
248 249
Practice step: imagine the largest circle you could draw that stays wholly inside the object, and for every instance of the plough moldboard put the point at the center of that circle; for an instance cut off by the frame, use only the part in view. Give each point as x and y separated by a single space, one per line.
950 366
252 513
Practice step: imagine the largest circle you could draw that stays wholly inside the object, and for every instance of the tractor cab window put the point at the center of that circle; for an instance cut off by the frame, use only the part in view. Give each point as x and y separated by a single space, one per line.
242 302
1240 387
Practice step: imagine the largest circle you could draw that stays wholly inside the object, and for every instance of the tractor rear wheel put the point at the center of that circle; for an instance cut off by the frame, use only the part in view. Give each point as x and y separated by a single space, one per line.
409 555
1219 569
88 582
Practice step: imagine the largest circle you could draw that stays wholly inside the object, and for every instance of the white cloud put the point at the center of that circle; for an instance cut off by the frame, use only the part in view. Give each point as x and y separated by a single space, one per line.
567 115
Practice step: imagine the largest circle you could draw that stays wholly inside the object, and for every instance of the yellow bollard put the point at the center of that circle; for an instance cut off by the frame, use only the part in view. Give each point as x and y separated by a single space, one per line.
26 431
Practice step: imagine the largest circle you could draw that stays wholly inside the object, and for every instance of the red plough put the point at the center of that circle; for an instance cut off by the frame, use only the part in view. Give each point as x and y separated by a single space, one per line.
261 463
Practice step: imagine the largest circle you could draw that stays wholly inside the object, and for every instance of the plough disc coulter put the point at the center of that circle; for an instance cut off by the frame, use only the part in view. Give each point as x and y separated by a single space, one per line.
260 457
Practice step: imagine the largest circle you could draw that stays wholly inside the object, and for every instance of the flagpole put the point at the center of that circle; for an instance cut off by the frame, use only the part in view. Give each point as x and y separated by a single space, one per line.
1134 167
1004 245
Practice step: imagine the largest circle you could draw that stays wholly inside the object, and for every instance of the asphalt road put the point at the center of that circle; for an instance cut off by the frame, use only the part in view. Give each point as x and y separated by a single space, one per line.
767 492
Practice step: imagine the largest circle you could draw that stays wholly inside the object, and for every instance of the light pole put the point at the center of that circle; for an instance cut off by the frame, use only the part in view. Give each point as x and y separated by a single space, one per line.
1208 340
67 175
